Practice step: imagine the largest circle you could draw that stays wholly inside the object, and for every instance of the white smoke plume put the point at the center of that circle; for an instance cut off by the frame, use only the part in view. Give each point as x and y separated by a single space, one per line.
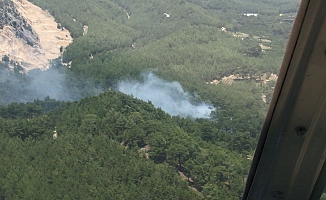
37 84
169 96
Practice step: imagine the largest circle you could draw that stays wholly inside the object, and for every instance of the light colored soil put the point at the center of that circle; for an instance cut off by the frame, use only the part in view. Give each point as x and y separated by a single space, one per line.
85 30
145 150
245 35
229 80
50 38
263 47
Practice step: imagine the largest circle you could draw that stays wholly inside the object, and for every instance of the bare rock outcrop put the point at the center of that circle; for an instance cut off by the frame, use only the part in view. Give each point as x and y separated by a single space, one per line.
229 80
11 17
29 35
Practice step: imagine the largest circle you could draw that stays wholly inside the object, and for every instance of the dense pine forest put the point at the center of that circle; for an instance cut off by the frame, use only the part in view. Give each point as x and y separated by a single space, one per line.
111 145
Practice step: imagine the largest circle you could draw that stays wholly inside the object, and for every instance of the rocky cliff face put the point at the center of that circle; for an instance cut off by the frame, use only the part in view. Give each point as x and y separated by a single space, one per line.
30 36
11 17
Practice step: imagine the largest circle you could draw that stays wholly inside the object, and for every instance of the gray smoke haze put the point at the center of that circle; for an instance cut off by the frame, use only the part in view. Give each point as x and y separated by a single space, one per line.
37 84
169 96
47 83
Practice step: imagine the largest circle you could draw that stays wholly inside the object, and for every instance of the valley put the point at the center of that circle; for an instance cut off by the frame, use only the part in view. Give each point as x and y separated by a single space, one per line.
82 68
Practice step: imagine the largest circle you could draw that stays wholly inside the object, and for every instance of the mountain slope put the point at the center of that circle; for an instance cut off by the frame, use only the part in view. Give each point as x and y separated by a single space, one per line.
97 149
193 42
29 36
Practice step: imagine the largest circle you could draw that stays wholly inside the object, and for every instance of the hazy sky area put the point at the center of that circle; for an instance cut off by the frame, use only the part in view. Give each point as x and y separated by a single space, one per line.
169 96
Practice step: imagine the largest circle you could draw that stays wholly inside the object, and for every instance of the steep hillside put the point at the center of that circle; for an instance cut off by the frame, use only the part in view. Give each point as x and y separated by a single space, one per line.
189 44
193 42
97 152
29 36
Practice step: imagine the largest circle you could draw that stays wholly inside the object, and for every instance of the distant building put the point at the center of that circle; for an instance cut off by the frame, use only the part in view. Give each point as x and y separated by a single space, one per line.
167 15
250 14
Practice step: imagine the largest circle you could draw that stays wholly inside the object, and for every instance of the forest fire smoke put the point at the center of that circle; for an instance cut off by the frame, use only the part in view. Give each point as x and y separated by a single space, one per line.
169 96
38 84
